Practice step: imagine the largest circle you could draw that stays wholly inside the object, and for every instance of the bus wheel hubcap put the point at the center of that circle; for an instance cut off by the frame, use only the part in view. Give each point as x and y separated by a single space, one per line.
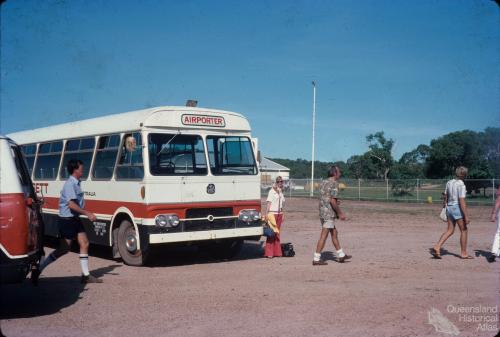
131 243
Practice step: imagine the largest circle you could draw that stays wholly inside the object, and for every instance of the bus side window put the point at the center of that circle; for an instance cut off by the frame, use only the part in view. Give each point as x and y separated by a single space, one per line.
130 166
49 158
105 159
79 149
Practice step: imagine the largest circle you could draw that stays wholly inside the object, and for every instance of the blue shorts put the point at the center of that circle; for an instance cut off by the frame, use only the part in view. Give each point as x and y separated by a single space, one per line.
70 227
454 212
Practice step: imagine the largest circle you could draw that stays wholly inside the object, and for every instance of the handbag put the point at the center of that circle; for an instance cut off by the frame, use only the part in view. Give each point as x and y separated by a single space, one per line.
287 249
443 214
268 232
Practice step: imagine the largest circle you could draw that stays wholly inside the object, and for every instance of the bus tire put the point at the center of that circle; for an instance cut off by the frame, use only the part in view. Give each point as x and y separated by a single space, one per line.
226 249
127 245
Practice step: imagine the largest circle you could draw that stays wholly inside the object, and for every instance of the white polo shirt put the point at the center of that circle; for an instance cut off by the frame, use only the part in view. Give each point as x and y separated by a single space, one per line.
277 200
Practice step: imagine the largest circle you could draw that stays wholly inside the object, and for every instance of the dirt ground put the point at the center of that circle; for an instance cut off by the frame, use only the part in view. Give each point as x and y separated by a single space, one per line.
391 287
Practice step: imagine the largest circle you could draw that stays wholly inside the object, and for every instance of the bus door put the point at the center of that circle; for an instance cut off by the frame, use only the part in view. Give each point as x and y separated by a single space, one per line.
232 162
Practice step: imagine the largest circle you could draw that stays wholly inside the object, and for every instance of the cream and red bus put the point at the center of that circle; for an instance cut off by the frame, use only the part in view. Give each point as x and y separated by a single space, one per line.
155 176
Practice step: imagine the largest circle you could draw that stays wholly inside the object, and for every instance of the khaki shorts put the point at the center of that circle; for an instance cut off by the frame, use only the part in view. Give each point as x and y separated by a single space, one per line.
327 223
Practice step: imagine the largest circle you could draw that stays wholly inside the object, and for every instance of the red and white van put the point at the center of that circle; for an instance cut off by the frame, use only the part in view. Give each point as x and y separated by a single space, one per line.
156 176
20 218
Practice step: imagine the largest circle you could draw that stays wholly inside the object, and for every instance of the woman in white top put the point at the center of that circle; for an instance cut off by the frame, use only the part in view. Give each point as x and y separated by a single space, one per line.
495 216
456 211
275 201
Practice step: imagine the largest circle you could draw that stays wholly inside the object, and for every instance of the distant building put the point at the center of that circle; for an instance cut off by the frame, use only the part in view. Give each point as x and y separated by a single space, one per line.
270 170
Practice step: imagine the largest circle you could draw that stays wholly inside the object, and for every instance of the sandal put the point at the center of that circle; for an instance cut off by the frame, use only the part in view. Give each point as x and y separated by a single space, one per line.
436 254
468 257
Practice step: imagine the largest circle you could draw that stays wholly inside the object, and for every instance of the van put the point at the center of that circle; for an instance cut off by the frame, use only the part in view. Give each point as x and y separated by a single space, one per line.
21 224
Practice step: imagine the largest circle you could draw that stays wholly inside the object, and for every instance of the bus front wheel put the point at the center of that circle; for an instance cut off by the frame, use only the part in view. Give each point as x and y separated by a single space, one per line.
128 242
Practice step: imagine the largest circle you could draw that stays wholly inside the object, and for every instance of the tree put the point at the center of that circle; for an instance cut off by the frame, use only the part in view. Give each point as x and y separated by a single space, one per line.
464 148
491 141
361 166
355 166
412 164
381 151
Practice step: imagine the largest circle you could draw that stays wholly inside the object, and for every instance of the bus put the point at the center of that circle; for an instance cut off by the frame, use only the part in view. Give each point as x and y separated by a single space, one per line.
21 224
156 176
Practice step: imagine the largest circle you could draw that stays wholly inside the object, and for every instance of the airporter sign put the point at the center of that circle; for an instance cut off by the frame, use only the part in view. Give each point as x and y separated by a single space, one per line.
203 120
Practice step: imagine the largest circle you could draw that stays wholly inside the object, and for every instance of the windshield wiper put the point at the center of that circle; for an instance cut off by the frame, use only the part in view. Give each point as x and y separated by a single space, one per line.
171 139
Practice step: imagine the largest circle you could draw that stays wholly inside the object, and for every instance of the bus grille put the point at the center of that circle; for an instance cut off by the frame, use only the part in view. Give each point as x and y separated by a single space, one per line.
204 212
201 225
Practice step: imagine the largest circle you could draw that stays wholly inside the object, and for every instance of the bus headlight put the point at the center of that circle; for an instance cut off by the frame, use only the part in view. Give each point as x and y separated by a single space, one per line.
167 220
249 215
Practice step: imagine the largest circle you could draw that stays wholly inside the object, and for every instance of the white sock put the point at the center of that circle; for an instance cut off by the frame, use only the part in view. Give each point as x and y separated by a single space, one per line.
317 257
84 263
46 261
340 253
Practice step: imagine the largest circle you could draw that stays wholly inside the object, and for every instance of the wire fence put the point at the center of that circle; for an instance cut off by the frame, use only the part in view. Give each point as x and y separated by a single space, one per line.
479 191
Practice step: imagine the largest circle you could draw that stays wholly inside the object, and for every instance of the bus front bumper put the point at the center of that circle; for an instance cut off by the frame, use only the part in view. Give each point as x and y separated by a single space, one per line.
249 232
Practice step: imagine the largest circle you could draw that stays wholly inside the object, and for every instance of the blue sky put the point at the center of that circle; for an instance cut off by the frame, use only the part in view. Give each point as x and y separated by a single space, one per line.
414 69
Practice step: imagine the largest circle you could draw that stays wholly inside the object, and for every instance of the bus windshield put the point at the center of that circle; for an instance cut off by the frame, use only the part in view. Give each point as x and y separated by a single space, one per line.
231 155
176 154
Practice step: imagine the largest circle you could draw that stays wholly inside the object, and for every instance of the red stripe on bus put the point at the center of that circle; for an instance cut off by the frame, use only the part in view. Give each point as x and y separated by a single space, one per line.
142 210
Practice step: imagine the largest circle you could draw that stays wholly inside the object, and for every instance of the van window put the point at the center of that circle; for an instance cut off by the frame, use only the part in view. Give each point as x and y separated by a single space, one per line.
29 152
22 171
175 154
231 155
130 166
78 149
105 158
47 163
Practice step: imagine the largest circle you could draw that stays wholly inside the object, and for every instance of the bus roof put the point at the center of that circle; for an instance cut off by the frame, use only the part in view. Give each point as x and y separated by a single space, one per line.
166 117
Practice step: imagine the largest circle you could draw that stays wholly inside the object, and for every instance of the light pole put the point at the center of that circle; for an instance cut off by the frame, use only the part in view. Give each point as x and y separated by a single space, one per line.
314 129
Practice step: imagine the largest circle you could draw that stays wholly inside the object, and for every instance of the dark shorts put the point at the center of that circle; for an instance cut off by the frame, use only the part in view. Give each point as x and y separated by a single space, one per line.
70 227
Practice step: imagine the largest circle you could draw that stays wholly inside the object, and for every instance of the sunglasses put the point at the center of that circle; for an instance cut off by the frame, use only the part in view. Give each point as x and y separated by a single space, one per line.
279 181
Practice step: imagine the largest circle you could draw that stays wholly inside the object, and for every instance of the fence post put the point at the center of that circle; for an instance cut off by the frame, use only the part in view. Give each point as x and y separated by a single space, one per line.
418 185
359 189
387 189
493 194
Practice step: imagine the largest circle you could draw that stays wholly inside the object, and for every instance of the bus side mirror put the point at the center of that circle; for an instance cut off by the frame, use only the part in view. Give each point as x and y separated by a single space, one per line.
259 158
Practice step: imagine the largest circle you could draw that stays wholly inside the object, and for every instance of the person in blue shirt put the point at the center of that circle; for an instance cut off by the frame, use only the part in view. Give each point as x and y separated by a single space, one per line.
71 206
